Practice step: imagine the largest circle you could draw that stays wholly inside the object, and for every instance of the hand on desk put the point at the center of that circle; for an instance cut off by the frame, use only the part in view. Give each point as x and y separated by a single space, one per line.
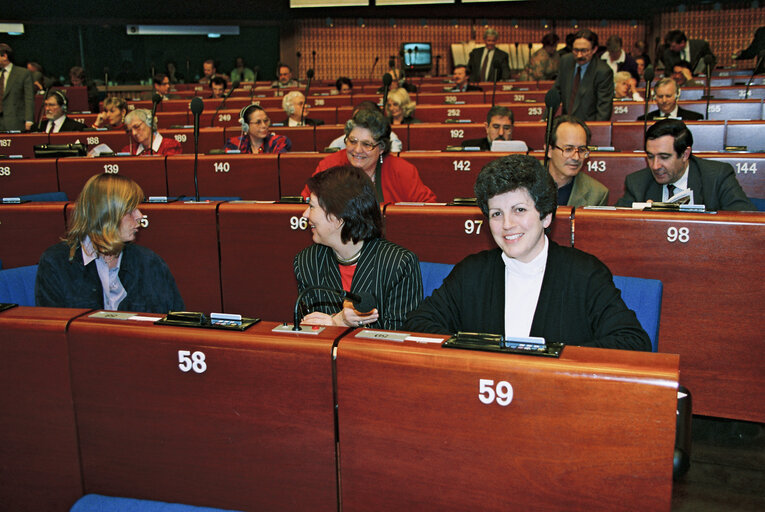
348 317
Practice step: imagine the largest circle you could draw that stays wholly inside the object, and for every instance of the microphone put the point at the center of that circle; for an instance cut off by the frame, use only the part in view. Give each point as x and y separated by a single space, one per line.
297 75
309 75
496 76
255 70
106 81
387 79
313 59
197 106
438 65
223 102
409 52
364 302
156 99
552 102
648 75
372 71
709 62
758 63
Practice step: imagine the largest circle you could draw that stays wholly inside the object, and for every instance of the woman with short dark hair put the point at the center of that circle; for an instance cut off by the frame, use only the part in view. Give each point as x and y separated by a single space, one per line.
529 285
96 265
350 254
367 146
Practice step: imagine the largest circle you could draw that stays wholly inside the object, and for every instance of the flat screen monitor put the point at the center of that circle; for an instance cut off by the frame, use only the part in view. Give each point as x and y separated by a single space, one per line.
417 55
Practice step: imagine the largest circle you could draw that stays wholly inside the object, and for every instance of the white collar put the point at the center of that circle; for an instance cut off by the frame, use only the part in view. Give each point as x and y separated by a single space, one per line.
533 267
607 57
155 145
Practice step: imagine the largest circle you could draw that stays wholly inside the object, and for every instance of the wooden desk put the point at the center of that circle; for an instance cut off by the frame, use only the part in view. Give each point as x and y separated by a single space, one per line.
244 176
593 430
27 229
21 143
148 171
250 425
40 463
711 305
27 176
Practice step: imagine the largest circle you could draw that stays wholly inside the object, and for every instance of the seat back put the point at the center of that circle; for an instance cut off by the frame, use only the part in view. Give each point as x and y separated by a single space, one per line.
643 296
433 274
17 285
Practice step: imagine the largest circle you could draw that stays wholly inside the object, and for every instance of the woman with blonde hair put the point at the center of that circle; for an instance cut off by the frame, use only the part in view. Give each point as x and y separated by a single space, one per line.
112 117
400 108
96 265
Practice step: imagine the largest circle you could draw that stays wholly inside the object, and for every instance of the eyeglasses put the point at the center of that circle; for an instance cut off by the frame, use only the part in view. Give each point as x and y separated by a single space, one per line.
259 122
368 146
568 151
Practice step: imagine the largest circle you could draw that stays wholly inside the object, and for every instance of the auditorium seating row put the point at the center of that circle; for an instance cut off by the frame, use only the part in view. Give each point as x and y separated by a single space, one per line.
270 177
95 402
237 257
468 108
623 136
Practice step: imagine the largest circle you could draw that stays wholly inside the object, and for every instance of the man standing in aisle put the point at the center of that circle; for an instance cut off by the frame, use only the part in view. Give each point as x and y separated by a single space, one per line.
586 85
17 101
487 62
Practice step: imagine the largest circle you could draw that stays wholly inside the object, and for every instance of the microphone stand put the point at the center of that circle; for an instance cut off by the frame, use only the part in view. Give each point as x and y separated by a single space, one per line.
372 71
648 75
225 97
340 293
155 100
494 89
197 106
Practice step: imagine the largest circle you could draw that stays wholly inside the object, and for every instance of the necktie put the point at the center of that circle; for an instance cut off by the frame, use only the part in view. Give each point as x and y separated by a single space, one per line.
2 87
484 65
51 125
670 190
574 90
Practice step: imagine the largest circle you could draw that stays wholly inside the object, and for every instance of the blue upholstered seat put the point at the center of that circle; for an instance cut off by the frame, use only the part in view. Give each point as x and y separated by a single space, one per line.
17 285
100 503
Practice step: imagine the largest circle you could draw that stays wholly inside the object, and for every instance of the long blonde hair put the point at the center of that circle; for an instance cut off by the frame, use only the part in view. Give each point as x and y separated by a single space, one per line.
104 201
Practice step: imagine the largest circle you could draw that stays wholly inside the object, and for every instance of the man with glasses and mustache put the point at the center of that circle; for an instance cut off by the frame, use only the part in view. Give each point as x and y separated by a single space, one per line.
567 153
586 85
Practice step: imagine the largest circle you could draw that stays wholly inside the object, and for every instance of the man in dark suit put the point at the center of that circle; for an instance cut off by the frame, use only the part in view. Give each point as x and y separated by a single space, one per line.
665 94
586 85
55 119
484 64
461 82
17 102
499 126
672 169
678 47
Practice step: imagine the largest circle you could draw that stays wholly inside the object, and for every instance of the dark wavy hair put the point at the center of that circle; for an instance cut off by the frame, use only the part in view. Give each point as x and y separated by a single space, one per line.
347 193
674 127
515 172
374 121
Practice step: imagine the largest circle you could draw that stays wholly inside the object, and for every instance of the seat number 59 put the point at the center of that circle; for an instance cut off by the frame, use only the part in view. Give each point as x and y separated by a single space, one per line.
502 393
191 361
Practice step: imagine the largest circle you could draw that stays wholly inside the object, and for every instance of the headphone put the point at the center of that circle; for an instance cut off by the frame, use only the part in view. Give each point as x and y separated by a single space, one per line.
64 102
243 116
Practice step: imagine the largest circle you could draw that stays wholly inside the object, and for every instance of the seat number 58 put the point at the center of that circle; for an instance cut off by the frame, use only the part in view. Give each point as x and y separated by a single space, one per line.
502 392
191 361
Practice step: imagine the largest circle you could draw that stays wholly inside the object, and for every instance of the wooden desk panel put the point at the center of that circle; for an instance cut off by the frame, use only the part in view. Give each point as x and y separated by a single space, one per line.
209 138
746 166
244 176
40 467
295 169
147 171
21 143
253 431
712 280
258 243
593 430
27 229
28 176
447 234
115 139
432 136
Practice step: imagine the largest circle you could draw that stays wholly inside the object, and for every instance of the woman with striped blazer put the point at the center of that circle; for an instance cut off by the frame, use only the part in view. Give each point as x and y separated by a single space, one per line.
349 254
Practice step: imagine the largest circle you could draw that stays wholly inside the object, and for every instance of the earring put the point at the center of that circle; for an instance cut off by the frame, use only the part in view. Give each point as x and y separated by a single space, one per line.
380 157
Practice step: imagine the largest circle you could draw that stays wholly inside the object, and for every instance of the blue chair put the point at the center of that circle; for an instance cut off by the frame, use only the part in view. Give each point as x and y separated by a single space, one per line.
100 503
758 203
17 285
643 296
433 274
46 196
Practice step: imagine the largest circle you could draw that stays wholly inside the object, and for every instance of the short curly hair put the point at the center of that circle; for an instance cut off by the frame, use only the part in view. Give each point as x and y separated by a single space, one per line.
515 172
